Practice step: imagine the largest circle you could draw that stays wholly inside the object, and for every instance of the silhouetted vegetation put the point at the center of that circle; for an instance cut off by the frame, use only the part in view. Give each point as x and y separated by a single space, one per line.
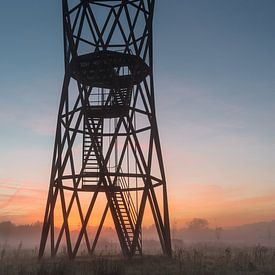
198 224
198 249
199 259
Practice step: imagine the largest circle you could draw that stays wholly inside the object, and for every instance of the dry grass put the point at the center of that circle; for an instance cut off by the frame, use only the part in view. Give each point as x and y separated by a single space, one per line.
194 260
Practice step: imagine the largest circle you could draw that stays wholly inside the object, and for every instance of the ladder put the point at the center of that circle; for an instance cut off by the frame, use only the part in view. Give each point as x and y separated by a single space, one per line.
89 160
127 216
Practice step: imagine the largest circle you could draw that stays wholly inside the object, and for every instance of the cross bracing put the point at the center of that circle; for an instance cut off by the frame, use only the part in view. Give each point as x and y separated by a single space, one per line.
107 139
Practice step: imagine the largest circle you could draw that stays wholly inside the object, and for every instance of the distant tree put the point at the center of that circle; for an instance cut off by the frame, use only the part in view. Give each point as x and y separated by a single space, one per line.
198 224
218 232
269 234
174 229
6 229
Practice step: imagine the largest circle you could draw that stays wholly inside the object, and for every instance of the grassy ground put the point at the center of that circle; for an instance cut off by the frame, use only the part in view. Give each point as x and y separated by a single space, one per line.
196 260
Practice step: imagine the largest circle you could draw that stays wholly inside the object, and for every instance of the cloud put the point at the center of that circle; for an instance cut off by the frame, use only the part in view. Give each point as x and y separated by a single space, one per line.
20 199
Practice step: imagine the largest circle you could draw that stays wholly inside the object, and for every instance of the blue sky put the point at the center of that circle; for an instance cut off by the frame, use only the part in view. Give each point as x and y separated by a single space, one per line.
215 94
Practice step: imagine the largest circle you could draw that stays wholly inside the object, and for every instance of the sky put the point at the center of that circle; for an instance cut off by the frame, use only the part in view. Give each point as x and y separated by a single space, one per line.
214 65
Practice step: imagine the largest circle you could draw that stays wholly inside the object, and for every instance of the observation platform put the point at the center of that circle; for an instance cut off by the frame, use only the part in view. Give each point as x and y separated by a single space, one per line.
115 74
109 70
111 104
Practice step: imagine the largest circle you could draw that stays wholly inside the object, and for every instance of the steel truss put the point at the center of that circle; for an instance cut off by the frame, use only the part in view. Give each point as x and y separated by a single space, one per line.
123 161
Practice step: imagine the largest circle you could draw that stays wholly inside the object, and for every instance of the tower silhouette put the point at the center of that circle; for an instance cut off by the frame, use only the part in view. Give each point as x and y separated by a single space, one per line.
107 142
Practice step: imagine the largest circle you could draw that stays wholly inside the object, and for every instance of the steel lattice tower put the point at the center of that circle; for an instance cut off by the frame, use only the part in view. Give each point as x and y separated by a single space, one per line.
107 139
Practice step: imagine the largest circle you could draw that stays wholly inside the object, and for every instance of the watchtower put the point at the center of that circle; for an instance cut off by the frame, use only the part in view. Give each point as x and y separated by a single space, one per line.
107 139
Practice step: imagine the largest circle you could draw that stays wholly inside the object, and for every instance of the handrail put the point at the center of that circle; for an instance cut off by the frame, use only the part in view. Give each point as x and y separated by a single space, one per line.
129 200
131 207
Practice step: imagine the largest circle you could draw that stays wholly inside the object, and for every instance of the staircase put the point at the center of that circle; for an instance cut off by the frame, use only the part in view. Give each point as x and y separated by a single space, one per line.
91 167
125 210
127 216
122 97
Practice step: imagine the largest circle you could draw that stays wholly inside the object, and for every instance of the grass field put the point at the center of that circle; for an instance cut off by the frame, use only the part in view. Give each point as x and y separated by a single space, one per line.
197 259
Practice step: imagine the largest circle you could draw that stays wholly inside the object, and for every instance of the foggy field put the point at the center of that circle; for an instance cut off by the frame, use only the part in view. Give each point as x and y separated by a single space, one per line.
195 259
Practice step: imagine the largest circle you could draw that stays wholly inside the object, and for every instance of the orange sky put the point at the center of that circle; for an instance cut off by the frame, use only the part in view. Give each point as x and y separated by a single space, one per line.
219 205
